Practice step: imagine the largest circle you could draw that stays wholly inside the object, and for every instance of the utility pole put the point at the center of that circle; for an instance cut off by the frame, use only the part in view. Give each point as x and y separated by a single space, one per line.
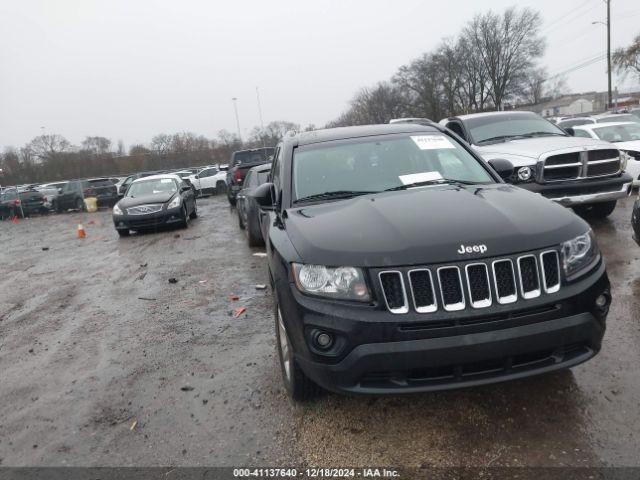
235 108
609 51
260 114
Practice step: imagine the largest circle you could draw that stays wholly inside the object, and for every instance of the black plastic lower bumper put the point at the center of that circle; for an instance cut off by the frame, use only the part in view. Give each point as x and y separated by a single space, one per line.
149 221
377 352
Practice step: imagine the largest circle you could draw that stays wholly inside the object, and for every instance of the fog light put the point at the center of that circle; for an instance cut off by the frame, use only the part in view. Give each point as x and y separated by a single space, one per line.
324 340
524 173
601 301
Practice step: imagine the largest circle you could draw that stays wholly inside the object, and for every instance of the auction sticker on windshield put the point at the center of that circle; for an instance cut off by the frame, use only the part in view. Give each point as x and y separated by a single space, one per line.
432 142
419 177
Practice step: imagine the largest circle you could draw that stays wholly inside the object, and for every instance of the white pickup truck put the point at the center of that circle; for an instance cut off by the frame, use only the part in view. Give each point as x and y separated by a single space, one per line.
209 181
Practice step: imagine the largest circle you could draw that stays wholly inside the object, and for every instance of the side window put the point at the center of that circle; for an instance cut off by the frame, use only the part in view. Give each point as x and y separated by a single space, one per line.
276 168
248 179
581 133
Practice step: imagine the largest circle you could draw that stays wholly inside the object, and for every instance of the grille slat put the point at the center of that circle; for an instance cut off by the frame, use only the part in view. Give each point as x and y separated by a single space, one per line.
451 288
529 279
394 292
550 271
423 291
478 284
505 281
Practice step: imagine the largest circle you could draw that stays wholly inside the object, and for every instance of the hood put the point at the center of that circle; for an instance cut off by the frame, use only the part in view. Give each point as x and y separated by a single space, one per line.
128 202
531 148
632 145
428 225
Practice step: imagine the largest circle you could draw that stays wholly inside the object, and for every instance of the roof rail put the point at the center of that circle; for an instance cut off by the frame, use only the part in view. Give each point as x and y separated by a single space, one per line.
420 121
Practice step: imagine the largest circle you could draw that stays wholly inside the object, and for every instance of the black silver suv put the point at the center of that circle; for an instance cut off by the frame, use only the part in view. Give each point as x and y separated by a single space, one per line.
401 262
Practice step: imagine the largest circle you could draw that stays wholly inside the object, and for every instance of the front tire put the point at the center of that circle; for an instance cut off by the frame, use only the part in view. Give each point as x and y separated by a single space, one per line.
232 199
185 217
254 238
80 205
221 187
599 210
123 233
298 385
240 220
194 214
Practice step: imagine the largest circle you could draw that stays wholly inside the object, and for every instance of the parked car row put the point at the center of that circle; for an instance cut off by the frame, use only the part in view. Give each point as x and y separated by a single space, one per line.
24 200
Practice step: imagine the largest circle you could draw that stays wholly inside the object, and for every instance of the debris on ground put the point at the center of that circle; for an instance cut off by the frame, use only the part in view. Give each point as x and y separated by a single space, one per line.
44 249
233 297
133 426
260 286
186 388
143 265
260 254
177 235
238 311
202 282
173 280
147 298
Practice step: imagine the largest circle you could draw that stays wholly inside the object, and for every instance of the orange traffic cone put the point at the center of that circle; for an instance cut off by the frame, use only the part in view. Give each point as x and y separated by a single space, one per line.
15 220
81 232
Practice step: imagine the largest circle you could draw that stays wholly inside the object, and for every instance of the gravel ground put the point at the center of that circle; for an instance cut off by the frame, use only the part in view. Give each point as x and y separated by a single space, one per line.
104 362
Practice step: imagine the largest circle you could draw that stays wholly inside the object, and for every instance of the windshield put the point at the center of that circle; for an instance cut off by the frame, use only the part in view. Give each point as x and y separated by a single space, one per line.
627 117
503 126
619 133
575 122
382 163
252 156
152 187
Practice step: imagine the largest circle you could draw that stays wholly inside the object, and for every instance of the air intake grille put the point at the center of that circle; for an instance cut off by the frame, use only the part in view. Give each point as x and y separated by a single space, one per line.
586 164
473 285
451 288
394 292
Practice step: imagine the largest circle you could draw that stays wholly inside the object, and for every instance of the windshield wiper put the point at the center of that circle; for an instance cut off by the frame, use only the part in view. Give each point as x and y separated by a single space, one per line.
337 194
439 181
503 138
543 134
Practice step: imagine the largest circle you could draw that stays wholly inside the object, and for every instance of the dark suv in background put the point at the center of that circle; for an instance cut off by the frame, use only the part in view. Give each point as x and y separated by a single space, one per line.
240 163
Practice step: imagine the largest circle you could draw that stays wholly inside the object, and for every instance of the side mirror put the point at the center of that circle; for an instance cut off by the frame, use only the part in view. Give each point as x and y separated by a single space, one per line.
503 167
263 195
185 188
60 191
197 176
570 131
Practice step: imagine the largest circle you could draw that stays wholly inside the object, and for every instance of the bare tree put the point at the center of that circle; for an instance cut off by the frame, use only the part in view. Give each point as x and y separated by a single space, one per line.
508 45
534 88
47 146
271 134
627 60
96 145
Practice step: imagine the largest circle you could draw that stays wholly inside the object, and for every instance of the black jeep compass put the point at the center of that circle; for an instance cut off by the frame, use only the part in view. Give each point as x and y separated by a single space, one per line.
401 262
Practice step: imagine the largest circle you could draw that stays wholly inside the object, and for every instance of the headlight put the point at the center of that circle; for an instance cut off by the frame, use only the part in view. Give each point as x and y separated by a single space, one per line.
117 210
579 253
175 203
345 283
525 174
624 159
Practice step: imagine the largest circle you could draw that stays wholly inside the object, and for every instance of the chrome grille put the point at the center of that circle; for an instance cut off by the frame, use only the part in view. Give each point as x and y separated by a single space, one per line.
577 165
474 284
144 209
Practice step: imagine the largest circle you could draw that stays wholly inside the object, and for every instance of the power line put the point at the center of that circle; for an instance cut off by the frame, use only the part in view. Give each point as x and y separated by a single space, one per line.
572 19
553 22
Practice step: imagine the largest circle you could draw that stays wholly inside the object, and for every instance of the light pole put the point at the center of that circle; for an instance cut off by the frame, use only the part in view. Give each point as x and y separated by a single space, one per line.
235 108
260 114
608 25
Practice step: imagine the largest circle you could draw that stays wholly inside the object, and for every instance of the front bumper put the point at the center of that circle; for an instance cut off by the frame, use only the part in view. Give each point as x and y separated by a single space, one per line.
583 192
148 221
378 352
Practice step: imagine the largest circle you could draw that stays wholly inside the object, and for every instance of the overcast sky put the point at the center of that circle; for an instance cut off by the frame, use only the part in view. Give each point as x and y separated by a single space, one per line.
129 69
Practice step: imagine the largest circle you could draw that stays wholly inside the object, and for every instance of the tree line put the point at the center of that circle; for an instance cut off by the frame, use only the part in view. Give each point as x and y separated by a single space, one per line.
490 65
51 157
